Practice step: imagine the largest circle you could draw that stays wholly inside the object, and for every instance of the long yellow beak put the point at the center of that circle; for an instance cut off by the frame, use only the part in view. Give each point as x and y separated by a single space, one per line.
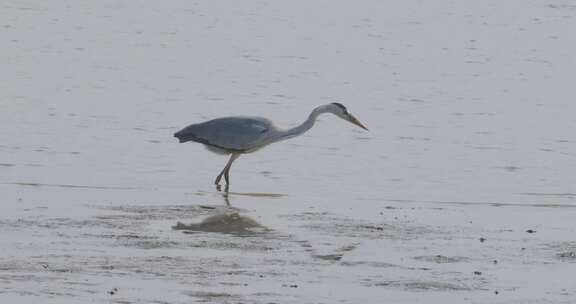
355 121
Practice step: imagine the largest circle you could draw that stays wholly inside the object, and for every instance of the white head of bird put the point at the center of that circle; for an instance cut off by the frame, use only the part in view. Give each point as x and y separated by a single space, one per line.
340 110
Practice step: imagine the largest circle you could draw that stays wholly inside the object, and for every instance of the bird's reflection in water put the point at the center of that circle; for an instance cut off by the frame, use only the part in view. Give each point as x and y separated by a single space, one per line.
226 194
226 223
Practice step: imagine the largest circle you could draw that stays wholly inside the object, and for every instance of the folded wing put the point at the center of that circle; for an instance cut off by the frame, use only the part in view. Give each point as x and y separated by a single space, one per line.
235 134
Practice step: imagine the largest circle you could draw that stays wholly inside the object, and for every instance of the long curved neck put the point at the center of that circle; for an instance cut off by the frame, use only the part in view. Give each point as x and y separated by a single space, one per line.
303 127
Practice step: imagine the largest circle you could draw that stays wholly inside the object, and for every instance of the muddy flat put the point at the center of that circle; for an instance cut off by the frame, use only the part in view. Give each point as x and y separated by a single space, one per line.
461 192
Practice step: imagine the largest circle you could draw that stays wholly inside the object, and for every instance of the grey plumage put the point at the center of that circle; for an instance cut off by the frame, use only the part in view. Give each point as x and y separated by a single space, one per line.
228 134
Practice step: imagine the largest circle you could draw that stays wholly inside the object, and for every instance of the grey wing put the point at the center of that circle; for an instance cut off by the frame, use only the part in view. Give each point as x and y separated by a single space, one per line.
239 134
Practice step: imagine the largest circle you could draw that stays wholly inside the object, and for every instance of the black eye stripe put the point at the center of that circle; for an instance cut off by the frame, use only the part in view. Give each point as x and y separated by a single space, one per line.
340 106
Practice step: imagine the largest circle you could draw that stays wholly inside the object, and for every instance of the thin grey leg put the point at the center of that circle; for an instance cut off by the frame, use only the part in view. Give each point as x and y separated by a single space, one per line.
226 170
219 177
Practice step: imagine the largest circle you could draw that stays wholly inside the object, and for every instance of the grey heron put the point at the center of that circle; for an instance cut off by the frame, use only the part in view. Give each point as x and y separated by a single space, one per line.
240 135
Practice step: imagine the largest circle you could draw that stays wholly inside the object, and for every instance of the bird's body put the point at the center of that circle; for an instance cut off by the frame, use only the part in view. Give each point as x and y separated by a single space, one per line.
240 135
250 134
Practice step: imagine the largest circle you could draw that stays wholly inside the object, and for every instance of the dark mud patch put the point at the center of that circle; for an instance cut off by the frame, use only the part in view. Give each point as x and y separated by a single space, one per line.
154 244
441 259
422 286
568 256
158 212
336 256
54 224
214 297
329 257
562 251
566 195
334 225
244 245
375 265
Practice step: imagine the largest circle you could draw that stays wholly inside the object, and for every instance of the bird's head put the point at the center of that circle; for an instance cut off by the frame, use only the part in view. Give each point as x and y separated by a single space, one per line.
340 110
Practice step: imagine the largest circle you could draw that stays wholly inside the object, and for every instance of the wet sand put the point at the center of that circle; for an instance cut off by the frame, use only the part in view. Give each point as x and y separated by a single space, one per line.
462 191
276 250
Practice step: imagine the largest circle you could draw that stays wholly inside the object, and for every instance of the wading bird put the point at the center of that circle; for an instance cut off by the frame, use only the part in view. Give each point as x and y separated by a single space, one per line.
240 135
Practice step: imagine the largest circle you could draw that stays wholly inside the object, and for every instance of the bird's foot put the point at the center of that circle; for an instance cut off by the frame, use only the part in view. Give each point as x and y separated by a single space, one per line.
219 187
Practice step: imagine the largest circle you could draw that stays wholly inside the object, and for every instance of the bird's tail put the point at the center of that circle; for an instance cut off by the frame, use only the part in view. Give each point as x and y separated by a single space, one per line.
184 136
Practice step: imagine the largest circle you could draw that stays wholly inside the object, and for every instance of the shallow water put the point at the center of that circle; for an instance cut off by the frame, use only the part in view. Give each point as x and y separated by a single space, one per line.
462 191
